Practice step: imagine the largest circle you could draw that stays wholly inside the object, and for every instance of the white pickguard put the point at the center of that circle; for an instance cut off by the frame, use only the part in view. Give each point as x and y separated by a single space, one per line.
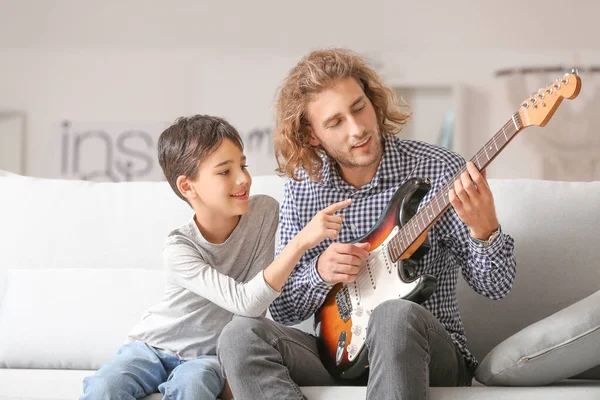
378 282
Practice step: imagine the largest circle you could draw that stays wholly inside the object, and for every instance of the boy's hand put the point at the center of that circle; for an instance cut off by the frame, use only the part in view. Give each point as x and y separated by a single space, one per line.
324 225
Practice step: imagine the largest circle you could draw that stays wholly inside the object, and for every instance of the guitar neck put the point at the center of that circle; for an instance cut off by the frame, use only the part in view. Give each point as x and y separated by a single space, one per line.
440 202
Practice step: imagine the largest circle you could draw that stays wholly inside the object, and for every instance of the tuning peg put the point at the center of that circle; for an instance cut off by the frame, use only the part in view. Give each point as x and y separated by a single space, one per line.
574 71
549 90
541 94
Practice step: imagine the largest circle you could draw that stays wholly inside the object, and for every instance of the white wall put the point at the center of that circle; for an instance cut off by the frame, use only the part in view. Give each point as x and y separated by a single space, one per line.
152 61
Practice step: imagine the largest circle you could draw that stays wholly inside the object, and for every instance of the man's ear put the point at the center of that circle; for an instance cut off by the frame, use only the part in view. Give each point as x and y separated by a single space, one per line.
312 138
185 187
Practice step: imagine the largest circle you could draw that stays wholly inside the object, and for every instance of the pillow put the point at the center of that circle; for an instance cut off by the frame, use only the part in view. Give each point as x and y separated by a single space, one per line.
558 347
72 318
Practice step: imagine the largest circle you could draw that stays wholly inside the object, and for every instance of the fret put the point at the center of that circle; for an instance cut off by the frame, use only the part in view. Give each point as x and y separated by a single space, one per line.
402 246
405 238
416 234
486 154
392 248
514 122
491 145
445 193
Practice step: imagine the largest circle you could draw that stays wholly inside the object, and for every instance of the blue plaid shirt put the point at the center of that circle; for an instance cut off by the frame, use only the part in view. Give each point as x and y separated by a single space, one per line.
488 269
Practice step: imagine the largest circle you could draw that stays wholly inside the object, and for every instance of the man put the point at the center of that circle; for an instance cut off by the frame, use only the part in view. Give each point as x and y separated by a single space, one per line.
335 137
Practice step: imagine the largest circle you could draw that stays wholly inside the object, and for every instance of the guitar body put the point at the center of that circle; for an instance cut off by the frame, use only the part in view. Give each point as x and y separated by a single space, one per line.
342 319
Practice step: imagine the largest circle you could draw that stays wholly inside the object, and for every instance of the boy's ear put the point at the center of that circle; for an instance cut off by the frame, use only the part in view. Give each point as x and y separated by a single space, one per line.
312 138
185 187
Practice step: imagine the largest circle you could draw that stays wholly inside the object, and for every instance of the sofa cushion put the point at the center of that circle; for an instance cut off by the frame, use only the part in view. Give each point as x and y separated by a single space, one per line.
72 318
557 347
22 384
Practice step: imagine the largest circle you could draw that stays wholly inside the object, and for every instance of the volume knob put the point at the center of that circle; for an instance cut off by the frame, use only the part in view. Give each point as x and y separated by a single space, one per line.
351 349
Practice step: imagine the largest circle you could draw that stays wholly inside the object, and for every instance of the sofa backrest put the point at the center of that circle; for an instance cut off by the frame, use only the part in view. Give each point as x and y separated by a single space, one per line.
47 223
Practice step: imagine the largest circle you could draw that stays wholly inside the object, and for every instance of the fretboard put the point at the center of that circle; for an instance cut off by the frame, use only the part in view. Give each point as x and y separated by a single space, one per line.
440 202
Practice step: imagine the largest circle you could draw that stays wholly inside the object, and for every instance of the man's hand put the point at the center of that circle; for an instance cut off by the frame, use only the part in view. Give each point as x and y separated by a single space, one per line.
340 262
473 201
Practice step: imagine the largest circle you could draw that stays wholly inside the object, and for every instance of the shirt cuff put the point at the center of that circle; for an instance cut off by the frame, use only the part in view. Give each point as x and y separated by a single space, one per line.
315 279
487 247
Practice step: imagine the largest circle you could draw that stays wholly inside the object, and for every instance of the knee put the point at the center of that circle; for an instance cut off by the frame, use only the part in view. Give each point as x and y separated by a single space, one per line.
237 330
100 387
237 337
397 316
195 382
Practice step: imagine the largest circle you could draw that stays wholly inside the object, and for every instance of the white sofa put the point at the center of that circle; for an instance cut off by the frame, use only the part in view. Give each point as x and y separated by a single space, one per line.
81 261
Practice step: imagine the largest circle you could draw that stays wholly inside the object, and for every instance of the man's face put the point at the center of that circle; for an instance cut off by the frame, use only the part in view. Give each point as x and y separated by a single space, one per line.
343 121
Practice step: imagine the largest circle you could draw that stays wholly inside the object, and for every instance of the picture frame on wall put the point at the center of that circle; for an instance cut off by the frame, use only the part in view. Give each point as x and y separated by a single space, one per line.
13 141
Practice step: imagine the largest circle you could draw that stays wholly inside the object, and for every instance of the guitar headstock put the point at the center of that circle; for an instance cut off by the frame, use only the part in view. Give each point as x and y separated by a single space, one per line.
539 108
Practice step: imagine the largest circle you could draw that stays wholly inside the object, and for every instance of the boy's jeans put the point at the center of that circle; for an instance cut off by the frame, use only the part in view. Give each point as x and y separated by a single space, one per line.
139 370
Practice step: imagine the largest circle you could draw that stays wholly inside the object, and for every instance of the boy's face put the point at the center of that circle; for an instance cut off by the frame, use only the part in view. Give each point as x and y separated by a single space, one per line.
343 122
223 183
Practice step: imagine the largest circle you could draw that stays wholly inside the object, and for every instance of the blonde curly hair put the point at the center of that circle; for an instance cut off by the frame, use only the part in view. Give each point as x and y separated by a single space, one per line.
318 71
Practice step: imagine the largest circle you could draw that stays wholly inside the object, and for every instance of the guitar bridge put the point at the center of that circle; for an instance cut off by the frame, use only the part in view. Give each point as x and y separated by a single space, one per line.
344 304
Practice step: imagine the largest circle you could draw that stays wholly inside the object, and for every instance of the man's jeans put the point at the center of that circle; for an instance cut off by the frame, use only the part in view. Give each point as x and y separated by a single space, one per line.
409 350
139 370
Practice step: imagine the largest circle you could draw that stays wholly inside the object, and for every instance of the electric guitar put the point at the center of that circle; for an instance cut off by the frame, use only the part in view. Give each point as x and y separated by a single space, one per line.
399 240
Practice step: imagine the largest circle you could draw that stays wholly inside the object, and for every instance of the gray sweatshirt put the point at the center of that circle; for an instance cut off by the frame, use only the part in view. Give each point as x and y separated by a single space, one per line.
206 283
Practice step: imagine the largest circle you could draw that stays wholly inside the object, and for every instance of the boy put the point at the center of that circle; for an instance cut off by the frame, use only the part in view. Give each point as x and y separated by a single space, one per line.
214 268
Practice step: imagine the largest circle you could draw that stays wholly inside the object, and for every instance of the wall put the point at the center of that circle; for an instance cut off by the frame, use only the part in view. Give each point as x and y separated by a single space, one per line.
141 62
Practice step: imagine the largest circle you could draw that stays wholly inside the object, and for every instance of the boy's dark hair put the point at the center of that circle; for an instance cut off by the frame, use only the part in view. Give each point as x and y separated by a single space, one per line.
183 145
